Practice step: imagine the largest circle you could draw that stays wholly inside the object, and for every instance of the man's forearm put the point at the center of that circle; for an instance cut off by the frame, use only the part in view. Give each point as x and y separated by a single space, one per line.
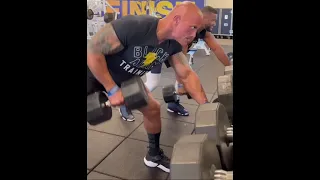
98 66
217 49
178 80
184 51
188 77
193 86
223 58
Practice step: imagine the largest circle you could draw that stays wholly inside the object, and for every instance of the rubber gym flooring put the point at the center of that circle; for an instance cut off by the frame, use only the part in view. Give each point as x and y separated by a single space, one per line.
115 149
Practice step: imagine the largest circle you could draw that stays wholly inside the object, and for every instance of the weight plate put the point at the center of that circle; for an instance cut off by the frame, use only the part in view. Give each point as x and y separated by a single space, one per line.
212 119
226 155
90 14
228 70
169 94
225 92
134 93
97 111
193 157
108 17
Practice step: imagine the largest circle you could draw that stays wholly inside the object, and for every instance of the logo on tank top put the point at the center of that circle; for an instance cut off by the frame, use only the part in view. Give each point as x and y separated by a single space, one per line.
144 59
149 58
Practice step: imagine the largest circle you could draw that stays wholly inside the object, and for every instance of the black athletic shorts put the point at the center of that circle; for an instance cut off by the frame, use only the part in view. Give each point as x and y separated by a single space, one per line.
93 85
156 69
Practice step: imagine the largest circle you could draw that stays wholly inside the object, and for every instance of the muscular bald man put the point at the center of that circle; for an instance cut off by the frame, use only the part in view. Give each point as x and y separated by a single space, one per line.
154 76
133 45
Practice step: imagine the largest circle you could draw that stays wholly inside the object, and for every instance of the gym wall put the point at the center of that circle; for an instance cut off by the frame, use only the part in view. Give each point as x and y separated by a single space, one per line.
224 22
126 7
219 3
163 7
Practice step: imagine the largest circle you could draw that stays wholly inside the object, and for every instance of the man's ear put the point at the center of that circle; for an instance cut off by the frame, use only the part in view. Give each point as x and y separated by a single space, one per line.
176 19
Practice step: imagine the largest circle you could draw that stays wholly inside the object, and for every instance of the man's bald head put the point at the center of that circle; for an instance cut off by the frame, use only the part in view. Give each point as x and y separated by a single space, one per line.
186 9
184 20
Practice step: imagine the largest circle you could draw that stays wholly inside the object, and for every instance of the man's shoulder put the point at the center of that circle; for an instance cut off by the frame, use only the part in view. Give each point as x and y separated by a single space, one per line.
144 17
137 25
135 29
202 33
139 19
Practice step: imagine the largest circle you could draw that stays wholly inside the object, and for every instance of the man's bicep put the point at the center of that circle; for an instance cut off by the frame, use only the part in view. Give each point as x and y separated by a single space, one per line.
185 49
180 64
211 41
105 41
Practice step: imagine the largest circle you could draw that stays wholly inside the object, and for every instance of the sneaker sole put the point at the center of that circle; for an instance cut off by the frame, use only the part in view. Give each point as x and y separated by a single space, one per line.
130 120
152 165
169 110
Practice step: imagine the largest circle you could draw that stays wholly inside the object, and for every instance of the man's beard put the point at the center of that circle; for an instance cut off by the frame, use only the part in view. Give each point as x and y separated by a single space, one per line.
208 28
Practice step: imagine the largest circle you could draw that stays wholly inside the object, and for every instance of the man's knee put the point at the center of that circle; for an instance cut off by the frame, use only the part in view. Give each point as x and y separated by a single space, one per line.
152 111
154 108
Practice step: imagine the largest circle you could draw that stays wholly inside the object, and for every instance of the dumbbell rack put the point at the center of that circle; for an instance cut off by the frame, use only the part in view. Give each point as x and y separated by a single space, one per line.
97 22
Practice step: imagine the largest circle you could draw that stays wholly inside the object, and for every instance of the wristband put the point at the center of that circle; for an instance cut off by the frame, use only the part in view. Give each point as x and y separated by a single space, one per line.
113 90
180 85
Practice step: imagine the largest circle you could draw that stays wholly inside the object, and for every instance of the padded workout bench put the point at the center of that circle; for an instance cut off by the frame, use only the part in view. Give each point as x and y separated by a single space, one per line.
191 53
200 45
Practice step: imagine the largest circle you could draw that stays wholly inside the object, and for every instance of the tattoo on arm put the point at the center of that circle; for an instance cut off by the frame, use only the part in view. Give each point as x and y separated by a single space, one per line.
180 64
105 41
178 58
190 80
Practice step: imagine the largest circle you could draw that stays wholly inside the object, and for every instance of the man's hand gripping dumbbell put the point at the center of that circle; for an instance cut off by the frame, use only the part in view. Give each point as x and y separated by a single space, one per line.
171 95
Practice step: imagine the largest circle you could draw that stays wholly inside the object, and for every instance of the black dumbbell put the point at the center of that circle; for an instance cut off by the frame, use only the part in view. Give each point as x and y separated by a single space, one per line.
108 17
99 108
170 95
226 155
90 14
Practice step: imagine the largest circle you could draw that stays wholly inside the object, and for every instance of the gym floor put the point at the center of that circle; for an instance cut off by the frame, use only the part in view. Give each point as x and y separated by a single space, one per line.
115 149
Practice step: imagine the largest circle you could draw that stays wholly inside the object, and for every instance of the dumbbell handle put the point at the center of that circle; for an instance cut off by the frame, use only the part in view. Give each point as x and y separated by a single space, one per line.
223 175
106 104
230 137
188 95
229 134
170 94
